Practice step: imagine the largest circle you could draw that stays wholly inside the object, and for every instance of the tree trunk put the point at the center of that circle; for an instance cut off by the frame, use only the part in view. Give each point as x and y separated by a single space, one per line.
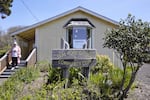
132 79
123 80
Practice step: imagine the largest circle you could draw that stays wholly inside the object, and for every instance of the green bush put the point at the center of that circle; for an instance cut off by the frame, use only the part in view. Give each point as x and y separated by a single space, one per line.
115 76
107 77
75 74
54 75
103 64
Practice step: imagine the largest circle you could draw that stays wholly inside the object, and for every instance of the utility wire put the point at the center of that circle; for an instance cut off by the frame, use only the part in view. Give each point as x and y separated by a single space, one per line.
26 6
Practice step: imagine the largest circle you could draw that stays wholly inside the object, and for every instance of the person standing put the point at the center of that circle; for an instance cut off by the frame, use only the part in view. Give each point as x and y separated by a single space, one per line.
15 55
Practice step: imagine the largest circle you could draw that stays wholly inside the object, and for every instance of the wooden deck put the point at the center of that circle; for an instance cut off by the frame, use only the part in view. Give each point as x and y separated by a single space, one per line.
73 57
65 58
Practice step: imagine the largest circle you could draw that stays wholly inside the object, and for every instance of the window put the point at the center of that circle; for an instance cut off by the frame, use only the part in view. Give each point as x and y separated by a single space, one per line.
79 34
79 37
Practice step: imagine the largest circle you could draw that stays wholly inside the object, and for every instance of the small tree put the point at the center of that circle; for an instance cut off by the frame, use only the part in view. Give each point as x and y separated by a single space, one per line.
130 40
5 8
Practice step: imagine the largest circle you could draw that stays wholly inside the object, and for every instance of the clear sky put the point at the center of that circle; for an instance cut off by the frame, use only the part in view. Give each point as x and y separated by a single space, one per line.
28 12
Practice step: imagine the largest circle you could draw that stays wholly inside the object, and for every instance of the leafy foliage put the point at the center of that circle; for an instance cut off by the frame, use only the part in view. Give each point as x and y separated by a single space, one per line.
5 7
107 78
131 40
103 64
54 75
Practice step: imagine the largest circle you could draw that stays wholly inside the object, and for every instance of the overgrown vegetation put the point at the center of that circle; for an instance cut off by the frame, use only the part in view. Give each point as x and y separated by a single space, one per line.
12 88
103 83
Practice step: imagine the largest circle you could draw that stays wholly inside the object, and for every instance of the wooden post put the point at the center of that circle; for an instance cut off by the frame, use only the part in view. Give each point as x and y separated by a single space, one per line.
85 71
65 72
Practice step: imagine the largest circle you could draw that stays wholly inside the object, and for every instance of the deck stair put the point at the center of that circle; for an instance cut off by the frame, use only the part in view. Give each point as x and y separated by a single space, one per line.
8 72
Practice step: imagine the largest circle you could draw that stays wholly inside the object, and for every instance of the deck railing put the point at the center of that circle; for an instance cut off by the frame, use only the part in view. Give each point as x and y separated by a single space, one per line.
4 62
6 59
31 59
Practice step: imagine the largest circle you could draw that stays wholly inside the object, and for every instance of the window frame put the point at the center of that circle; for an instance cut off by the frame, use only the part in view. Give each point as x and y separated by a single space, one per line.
88 33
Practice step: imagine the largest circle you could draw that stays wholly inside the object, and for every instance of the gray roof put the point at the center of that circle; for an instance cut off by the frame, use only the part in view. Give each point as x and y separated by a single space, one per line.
64 14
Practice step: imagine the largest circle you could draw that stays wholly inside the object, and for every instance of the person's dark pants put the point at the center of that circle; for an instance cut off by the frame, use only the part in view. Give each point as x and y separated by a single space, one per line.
14 61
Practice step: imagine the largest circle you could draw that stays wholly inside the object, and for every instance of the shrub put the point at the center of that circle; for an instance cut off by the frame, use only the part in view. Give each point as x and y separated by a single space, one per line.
103 64
107 78
54 75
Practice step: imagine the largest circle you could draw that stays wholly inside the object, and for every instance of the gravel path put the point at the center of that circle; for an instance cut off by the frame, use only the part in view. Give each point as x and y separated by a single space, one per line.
142 92
144 74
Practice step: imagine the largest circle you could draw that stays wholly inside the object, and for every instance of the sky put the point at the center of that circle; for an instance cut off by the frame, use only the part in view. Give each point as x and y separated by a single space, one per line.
28 12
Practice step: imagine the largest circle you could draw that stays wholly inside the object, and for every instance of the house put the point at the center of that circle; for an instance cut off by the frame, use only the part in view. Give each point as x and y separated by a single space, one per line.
78 28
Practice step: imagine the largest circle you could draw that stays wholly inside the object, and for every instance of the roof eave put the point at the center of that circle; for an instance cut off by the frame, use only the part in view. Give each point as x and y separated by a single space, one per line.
64 14
45 21
99 16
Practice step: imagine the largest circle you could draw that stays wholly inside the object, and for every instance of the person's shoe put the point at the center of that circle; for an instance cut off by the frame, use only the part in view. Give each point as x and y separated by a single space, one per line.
12 68
16 66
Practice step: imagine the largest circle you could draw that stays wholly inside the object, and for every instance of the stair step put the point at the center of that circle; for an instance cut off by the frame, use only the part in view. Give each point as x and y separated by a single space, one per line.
23 62
7 73
21 65
5 76
9 70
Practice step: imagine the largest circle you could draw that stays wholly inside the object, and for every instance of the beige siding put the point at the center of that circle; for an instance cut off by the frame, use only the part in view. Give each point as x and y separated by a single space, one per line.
48 36
98 35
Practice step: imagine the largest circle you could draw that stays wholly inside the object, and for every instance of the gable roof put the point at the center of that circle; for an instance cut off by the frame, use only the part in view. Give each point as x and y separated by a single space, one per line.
64 14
